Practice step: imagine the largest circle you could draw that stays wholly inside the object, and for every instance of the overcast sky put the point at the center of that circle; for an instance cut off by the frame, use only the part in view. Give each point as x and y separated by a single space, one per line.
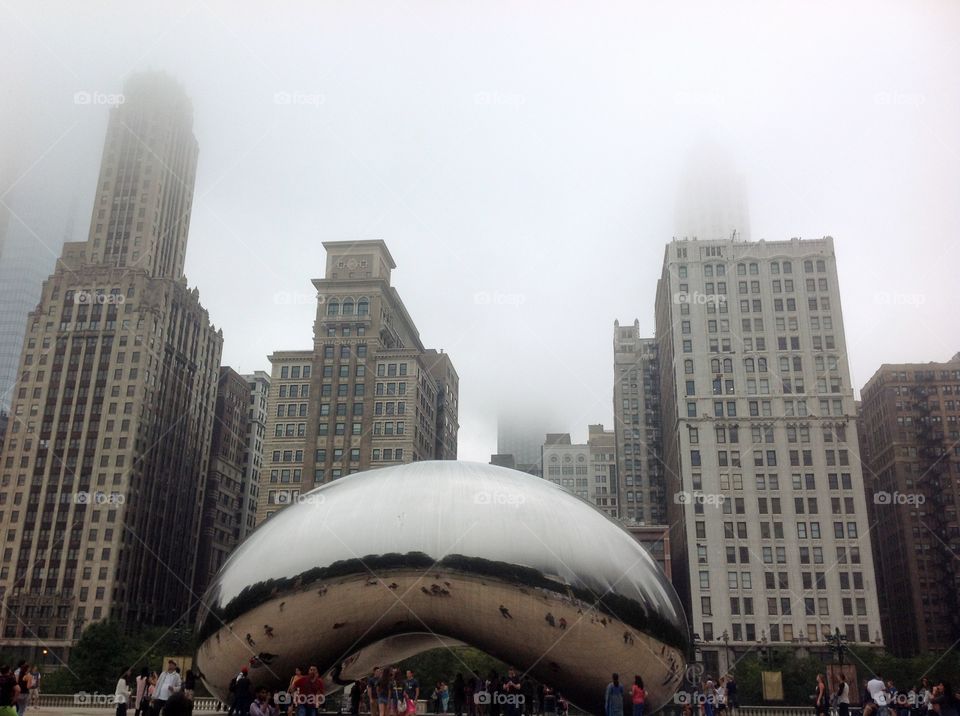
521 160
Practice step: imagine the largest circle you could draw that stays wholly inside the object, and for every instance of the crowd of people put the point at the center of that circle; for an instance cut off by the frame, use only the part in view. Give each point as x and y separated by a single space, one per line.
389 692
18 688
150 693
881 697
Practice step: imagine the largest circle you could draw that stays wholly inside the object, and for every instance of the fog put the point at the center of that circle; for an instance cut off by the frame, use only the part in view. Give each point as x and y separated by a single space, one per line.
523 161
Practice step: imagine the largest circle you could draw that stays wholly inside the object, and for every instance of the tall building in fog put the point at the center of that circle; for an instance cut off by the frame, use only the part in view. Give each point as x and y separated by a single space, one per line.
368 394
712 197
33 229
106 456
772 537
587 470
910 428
636 412
521 434
259 384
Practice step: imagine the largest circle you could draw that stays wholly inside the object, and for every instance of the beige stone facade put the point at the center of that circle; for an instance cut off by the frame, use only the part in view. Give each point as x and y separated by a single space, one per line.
771 538
105 460
368 394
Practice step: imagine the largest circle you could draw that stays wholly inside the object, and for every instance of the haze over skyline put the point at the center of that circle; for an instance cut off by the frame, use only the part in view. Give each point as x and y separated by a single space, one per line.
524 175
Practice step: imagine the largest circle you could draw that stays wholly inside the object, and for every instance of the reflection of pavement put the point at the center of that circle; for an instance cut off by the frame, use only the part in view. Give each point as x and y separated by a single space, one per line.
334 621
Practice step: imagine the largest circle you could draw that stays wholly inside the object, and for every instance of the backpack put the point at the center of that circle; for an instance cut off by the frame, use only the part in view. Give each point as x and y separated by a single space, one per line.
233 684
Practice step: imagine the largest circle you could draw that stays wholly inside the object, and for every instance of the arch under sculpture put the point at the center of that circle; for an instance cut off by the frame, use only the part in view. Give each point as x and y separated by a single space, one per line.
380 565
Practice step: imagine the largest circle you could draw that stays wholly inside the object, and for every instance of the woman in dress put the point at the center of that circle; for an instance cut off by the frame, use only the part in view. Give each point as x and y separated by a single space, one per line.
613 698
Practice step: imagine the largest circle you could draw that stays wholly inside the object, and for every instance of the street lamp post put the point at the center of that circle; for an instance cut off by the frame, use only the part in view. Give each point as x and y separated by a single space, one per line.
838 645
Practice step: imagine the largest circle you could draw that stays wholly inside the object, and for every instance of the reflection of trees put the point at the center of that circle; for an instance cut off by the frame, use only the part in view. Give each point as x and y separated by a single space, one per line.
642 617
262 592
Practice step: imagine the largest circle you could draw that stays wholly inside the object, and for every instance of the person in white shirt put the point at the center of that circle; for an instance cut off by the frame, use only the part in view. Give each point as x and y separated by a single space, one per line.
122 693
167 685
877 690
843 696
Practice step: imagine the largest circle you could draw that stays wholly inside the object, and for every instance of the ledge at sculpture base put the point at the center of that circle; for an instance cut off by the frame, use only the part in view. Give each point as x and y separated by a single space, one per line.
381 565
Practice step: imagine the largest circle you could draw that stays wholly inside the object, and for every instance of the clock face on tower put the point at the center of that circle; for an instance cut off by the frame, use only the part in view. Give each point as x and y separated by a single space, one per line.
352 264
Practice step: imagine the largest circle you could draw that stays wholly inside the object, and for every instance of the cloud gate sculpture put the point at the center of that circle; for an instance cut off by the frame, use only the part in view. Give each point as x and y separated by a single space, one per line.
378 566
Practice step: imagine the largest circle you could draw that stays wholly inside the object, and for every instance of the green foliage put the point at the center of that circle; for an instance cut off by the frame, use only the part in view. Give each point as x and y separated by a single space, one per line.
105 650
444 664
799 674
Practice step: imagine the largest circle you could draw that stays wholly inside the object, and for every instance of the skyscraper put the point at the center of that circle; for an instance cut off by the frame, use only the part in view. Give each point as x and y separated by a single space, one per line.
368 394
588 471
520 433
760 445
636 411
712 198
259 383
32 234
224 495
105 459
910 427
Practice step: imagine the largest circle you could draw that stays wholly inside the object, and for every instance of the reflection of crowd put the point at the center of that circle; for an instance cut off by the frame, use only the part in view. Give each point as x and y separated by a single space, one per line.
389 692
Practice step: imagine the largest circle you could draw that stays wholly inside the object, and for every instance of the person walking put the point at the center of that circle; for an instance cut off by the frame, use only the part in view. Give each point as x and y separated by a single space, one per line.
638 695
308 692
35 687
121 694
242 694
459 694
821 700
168 684
140 699
843 696
731 695
512 687
709 698
613 698
25 682
9 692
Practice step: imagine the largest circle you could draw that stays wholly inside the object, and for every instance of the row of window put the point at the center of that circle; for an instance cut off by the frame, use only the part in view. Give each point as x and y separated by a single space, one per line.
785 632
753 268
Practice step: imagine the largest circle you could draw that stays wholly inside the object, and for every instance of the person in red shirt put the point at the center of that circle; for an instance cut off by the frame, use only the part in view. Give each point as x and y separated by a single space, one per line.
638 695
308 692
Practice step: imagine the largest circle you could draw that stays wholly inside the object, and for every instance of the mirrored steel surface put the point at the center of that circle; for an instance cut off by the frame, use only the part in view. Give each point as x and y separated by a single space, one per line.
379 565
